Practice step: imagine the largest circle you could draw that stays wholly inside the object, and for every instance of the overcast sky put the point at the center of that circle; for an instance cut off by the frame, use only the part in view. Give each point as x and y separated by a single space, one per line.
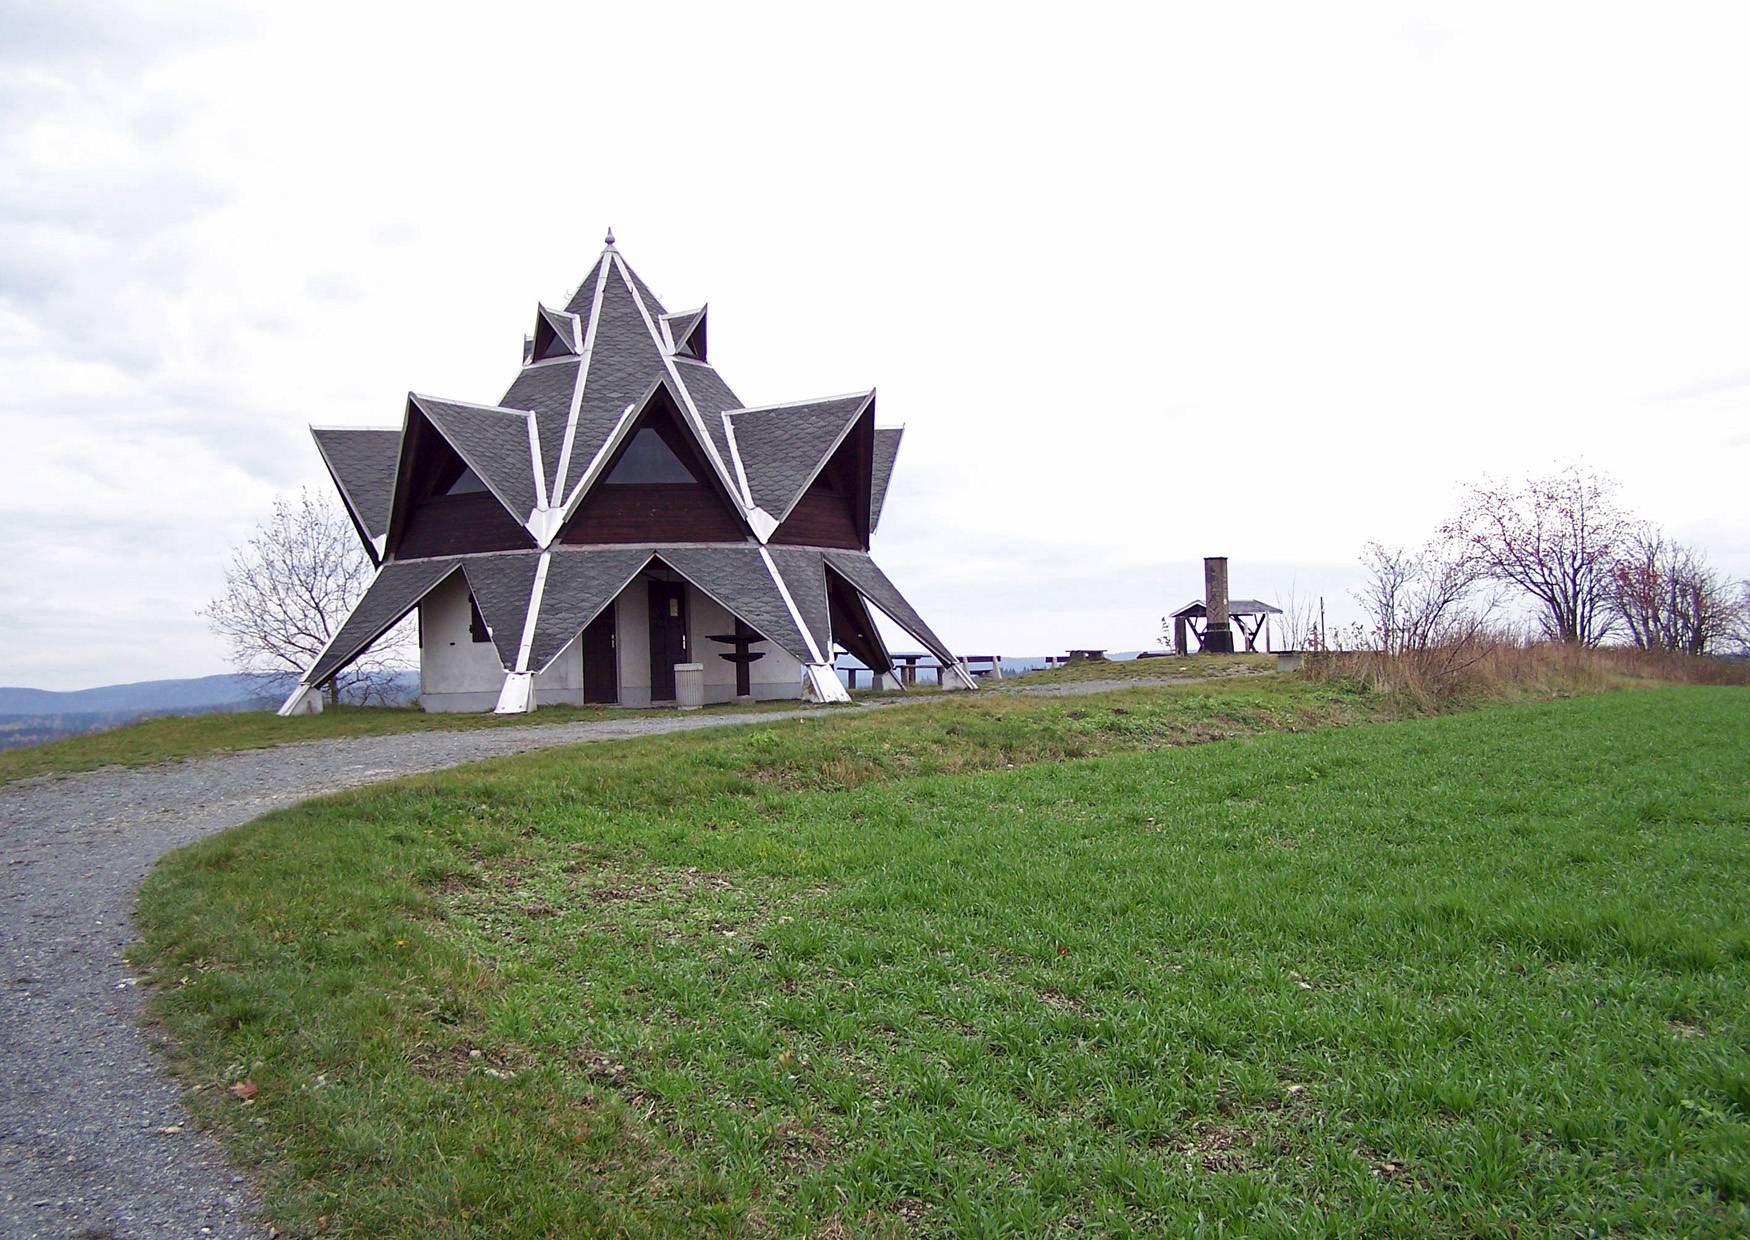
1143 285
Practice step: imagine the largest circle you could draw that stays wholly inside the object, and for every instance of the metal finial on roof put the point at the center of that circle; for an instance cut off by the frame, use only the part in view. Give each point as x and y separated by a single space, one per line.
610 237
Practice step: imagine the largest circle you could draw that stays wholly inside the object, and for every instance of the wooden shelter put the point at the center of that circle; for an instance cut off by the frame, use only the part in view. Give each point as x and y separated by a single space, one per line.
1250 616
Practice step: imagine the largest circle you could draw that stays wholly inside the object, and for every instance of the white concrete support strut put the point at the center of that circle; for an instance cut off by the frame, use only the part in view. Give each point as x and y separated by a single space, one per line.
962 679
821 684
304 700
518 695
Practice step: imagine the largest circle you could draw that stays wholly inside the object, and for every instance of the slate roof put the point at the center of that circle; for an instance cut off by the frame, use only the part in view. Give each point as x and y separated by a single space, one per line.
681 325
579 402
580 582
362 463
564 327
804 572
501 585
886 449
783 447
737 577
494 443
576 404
396 589
863 573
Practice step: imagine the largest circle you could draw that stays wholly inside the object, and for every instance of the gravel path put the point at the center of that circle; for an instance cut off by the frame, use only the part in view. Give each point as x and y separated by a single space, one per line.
94 1140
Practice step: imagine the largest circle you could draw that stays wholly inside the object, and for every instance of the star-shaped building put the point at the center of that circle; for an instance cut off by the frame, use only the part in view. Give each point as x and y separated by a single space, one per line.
620 528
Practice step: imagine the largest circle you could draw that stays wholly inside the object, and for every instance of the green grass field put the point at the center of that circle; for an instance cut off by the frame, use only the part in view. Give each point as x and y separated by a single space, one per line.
176 737
1482 974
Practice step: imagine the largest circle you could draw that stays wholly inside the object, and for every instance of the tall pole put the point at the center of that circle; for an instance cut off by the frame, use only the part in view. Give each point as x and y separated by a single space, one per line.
1218 637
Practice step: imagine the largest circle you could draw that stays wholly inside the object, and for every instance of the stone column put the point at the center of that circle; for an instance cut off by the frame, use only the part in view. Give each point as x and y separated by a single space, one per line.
1218 637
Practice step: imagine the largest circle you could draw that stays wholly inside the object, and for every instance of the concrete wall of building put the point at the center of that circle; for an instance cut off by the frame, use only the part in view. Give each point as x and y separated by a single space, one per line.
456 673
777 675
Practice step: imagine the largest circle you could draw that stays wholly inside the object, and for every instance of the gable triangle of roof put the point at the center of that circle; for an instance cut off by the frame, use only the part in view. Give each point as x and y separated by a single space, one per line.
783 448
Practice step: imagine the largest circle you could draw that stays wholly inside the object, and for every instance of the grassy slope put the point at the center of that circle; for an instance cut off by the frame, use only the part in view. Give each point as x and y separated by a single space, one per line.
173 738
1352 982
1201 665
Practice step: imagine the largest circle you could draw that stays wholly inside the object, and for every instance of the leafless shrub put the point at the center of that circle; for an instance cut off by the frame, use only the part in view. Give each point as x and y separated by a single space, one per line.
288 588
1554 538
1669 598
1298 625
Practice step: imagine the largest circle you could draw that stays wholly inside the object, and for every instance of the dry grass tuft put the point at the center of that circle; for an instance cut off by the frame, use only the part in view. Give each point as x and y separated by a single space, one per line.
1493 667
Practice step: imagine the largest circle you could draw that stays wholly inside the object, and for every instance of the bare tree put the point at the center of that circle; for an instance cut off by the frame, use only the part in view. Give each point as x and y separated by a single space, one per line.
1556 539
1669 598
288 588
1420 599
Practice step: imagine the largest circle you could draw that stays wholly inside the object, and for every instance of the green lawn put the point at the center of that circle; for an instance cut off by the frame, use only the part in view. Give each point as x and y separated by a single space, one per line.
1475 975
175 737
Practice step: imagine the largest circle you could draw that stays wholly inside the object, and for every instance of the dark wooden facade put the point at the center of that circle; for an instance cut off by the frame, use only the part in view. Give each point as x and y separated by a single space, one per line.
655 512
834 511
427 522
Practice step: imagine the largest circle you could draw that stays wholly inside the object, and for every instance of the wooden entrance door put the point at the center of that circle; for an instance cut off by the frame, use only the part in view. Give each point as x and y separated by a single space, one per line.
668 636
601 682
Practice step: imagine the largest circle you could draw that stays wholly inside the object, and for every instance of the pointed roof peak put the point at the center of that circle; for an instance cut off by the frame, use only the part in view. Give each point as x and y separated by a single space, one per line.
608 241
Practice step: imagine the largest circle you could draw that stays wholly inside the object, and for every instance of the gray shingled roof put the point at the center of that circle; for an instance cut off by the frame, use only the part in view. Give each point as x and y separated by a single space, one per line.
501 585
782 449
546 391
584 297
494 442
653 307
580 582
680 324
562 327
397 587
886 449
363 463
862 572
738 578
712 397
804 573
623 365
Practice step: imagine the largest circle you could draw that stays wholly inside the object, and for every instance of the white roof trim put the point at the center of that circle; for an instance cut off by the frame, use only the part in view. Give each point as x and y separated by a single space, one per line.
795 613
583 361
540 473
740 469
535 593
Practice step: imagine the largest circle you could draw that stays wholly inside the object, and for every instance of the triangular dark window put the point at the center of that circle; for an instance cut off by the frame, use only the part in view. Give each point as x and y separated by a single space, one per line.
466 483
648 458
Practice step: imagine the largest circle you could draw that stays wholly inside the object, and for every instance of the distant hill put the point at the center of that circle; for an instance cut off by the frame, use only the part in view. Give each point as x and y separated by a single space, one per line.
31 716
197 693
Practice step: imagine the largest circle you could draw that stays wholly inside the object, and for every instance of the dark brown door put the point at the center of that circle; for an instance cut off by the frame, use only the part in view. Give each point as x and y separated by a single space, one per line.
600 681
668 636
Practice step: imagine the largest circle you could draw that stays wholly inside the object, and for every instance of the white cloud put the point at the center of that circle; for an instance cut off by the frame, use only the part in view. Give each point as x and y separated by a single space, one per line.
1144 284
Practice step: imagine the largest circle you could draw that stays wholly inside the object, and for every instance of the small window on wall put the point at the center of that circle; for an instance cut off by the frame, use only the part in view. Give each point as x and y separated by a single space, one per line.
477 622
